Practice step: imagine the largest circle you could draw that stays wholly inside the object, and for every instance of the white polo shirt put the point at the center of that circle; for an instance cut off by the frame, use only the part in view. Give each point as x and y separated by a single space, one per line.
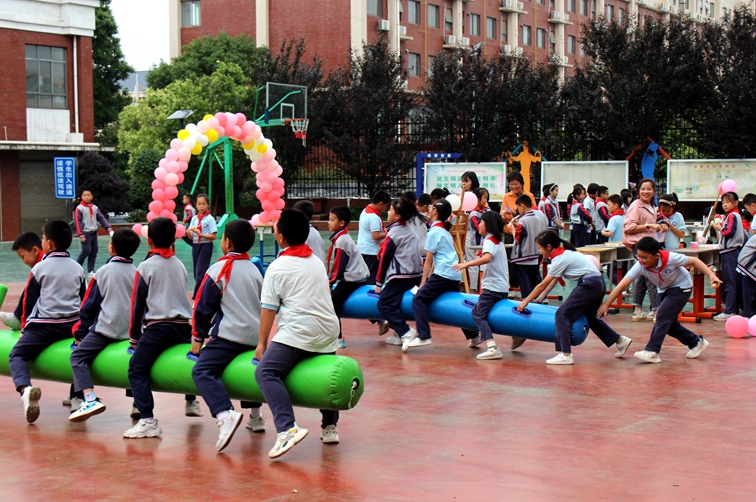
573 266
673 275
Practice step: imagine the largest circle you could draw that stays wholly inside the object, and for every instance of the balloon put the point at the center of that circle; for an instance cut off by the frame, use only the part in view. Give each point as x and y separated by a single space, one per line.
274 194
156 206
256 134
261 178
213 123
171 179
260 194
230 119
170 205
206 118
752 325
188 143
160 173
237 132
174 217
268 155
240 119
229 130
173 167
729 186
203 140
268 205
144 230
470 202
264 218
171 155
176 144
595 262
165 213
212 135
454 200
182 134
737 326
262 148
158 195
183 166
280 204
163 162
197 149
255 220
180 231
137 228
202 126
158 184
151 216
261 166
170 194
268 143
271 177
260 140
184 153
279 170
255 155
279 184
221 118
191 128
274 215
181 179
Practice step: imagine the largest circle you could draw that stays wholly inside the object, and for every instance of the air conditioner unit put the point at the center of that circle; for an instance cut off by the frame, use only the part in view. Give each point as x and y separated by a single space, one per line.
507 49
520 6
566 17
508 3
555 14
699 18
464 41
565 60
384 25
450 40
405 84
518 51
662 6
402 31
672 9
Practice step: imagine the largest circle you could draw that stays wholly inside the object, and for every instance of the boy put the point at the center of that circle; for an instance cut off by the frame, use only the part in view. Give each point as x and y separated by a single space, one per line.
371 234
28 247
307 326
749 202
525 255
613 230
160 303
589 203
227 312
50 309
314 240
102 319
189 213
87 217
423 204
348 271
602 210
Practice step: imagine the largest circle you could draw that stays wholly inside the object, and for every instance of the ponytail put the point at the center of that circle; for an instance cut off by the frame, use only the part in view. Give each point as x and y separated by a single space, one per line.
551 238
405 207
444 210
576 191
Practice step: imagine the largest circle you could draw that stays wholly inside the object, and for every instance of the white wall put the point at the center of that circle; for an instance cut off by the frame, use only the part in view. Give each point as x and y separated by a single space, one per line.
60 17
45 125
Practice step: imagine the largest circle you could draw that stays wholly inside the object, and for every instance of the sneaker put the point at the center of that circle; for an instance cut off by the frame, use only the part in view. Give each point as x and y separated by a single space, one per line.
493 352
135 412
90 276
647 356
622 344
342 343
517 342
561 358
474 342
329 435
142 429
75 403
10 320
722 317
30 397
192 409
643 317
256 424
285 440
696 351
415 342
226 429
86 410
66 401
383 328
408 337
394 339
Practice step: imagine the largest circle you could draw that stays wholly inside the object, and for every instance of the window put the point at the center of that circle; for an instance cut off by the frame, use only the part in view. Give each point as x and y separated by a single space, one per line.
610 12
526 37
374 8
570 5
448 24
432 16
583 7
190 13
429 71
504 31
542 2
582 49
593 9
414 12
571 41
414 64
46 77
475 25
490 28
622 16
541 38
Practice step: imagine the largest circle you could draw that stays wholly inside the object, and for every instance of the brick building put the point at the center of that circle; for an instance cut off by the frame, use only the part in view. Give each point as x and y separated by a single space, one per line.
46 105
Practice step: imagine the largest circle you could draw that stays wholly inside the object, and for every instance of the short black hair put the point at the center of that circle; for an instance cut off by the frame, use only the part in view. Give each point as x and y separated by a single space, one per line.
343 214
515 176
525 200
191 198
614 198
86 190
749 199
602 189
125 242
648 245
592 188
425 199
59 232
241 234
294 226
27 241
439 193
204 196
162 231
307 207
380 197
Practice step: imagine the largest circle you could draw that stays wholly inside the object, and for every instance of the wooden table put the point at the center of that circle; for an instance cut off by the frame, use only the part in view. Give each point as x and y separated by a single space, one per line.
623 255
606 255
709 255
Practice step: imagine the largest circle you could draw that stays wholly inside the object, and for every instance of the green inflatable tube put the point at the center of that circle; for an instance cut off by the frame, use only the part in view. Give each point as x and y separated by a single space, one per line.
324 382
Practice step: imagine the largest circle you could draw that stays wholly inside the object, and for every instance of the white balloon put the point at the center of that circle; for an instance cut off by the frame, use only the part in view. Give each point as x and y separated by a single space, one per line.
260 140
191 128
202 126
255 156
203 140
269 143
454 200
189 143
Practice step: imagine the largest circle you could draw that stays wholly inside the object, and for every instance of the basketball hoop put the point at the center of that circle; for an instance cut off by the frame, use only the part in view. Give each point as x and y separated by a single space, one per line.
299 126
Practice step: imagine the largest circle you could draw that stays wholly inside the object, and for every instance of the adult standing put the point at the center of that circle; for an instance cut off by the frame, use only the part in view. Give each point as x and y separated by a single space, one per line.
509 202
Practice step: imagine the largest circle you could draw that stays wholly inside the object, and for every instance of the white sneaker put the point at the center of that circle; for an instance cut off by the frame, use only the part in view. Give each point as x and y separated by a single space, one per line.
86 410
135 412
493 352
75 403
142 429
644 317
90 276
474 342
329 435
383 328
256 424
67 401
561 358
722 317
226 429
192 409
286 440
415 342
394 339
30 397
696 351
408 337
10 320
622 344
647 356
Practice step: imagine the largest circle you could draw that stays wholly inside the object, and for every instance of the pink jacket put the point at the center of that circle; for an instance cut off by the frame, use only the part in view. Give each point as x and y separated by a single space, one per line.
638 214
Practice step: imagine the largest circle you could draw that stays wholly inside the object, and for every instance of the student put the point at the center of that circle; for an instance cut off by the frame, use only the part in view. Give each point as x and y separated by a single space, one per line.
731 240
749 204
590 205
87 217
372 232
613 230
525 256
580 217
226 318
419 222
348 270
509 201
550 207
423 205
747 268
668 270
673 221
495 282
294 288
470 181
438 193
401 269
203 231
159 303
51 304
314 240
189 213
602 212
28 247
440 257
473 236
627 198
585 299
103 320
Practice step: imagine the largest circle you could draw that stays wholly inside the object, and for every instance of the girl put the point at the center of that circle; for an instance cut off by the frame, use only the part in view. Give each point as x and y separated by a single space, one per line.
580 218
627 199
400 268
419 222
495 285
189 213
470 181
731 238
585 299
673 221
474 235
550 207
441 257
203 231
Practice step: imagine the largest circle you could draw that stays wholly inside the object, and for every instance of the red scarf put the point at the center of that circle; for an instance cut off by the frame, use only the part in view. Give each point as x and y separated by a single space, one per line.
491 238
619 212
334 238
599 199
164 252
664 255
41 256
225 271
301 251
556 252
438 224
90 206
372 210
199 222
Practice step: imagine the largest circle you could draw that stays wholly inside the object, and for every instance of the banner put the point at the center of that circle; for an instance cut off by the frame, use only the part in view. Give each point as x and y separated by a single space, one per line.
612 174
449 176
698 180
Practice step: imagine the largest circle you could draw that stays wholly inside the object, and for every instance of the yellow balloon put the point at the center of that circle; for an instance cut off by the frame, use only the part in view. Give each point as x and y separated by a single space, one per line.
212 135
249 145
183 134
197 149
207 117
262 148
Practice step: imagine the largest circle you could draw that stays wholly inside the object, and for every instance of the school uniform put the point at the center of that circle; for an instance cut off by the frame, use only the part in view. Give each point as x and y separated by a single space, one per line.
671 241
227 317
88 218
525 255
580 219
160 315
602 219
616 221
189 213
731 238
316 243
590 205
202 249
495 285
747 268
370 221
550 207
19 312
473 238
348 271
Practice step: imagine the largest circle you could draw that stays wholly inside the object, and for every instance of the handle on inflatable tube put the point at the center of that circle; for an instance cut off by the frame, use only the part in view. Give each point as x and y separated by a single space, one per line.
524 313
371 292
467 303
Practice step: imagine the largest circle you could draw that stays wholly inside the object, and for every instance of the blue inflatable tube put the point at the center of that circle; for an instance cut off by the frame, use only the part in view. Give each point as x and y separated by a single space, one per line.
537 322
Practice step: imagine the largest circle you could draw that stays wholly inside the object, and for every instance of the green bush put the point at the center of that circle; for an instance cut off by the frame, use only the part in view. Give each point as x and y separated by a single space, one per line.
137 216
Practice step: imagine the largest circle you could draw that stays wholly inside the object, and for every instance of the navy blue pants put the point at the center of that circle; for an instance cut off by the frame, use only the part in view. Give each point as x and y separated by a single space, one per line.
527 277
201 256
155 339
748 289
586 299
36 338
579 235
486 301
372 263
213 359
390 301
671 303
276 363
89 250
730 281
82 357
339 295
432 289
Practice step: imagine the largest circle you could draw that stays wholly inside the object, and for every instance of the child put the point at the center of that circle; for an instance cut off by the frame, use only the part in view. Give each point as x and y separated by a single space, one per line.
590 205
613 230
314 240
423 205
441 257
602 212
348 271
673 221
227 311
668 272
103 320
525 255
203 231
550 207
747 268
495 284
627 198
307 326
731 238
159 303
419 222
189 213
51 304
585 299
371 234
580 218
401 269
28 247
473 236
87 217
438 193
749 203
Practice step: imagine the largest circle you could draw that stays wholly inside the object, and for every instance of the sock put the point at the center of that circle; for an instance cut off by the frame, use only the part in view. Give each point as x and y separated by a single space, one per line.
255 412
149 420
491 343
89 397
223 414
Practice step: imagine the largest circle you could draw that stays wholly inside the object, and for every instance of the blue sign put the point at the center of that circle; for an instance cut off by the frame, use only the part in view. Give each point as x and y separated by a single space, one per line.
65 177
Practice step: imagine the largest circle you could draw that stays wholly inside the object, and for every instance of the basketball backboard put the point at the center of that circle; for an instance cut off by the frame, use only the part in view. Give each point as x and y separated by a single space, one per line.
284 102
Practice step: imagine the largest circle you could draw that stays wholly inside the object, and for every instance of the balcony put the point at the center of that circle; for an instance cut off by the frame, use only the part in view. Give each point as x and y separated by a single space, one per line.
557 17
512 6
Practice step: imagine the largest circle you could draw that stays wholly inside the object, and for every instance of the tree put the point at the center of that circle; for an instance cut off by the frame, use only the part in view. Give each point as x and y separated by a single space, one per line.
141 176
96 175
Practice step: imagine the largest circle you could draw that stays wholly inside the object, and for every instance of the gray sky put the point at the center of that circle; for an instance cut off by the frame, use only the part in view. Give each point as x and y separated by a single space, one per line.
143 28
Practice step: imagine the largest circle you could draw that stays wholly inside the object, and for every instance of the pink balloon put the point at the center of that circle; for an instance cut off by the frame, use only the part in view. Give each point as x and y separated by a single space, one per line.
262 166
212 123
470 202
165 213
279 170
264 218
170 193
158 195
249 127
183 166
171 179
181 178
240 119
260 195
752 325
176 144
172 167
170 205
171 155
253 166
279 184
260 177
228 130
256 133
174 217
266 187
180 231
230 118
145 229
271 177
158 184
274 193
280 204
737 326
595 262
202 126
137 228
729 186
269 155
221 118
255 220
163 162
150 216
719 189
160 173
184 153
268 205
156 206
237 132
274 215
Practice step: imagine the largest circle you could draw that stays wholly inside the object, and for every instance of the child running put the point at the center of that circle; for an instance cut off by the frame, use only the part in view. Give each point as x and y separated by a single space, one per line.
731 240
585 299
203 231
